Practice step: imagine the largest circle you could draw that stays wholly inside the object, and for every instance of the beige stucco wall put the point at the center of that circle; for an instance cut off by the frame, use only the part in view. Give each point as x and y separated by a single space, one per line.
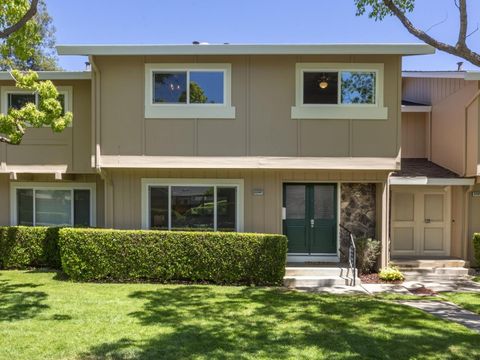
70 148
415 133
263 92
448 98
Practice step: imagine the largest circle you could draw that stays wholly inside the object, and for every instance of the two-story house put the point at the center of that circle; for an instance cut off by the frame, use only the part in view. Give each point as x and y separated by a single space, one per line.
294 139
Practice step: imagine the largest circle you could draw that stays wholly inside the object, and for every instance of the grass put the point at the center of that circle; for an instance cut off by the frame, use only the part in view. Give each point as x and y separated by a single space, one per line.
43 317
476 279
469 301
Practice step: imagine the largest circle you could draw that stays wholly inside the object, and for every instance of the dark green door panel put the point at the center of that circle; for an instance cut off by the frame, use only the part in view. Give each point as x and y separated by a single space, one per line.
310 218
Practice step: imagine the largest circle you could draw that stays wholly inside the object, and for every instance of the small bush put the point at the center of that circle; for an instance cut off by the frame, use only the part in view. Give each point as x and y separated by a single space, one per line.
476 247
131 255
368 251
23 247
391 274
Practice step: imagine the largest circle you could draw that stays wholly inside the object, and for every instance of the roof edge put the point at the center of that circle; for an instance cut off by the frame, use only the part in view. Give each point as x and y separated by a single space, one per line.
469 75
54 75
246 49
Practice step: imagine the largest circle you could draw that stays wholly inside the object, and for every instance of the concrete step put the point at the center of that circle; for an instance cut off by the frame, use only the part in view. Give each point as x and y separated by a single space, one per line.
318 271
444 271
315 281
429 263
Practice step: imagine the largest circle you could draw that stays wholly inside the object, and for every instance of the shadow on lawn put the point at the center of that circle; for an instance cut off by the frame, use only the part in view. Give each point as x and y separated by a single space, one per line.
201 322
20 301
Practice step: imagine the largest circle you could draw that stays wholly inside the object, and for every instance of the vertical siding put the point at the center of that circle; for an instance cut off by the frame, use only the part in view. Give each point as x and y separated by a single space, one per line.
4 200
414 135
263 93
261 213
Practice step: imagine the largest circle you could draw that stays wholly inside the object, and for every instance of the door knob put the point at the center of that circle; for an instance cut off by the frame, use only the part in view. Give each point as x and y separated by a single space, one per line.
427 221
312 223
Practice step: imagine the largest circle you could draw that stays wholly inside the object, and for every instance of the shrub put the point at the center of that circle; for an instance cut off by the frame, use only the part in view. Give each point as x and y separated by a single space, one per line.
22 247
476 248
368 251
132 255
391 274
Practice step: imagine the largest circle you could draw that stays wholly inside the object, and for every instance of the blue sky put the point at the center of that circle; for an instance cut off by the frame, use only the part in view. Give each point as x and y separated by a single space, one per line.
250 21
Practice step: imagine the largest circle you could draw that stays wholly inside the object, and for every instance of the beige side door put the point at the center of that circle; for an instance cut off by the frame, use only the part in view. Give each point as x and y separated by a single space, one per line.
420 222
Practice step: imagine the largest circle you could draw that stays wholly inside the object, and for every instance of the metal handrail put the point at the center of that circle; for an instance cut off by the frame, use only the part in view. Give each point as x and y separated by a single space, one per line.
352 254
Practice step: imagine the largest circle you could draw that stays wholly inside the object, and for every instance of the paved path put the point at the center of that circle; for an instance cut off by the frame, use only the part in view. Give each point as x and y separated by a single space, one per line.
447 311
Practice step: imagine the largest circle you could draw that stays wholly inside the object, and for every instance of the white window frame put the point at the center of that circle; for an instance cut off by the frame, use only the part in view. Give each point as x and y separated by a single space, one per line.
66 91
148 183
375 111
52 186
189 111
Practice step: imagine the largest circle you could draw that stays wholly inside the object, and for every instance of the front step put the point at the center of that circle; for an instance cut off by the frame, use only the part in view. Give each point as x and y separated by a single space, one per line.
313 277
432 269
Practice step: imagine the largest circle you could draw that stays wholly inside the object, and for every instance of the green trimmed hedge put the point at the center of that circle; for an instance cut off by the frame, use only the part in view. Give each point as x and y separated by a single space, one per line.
23 247
133 255
476 247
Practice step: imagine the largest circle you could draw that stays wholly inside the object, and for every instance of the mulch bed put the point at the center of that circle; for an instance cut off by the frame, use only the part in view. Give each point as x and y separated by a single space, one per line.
374 279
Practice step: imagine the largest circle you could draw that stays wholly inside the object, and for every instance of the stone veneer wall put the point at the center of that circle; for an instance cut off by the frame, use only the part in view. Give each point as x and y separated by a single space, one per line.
357 213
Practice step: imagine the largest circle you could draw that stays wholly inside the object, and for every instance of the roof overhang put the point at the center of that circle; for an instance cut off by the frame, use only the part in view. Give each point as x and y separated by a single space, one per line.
248 162
54 75
465 75
248 49
423 180
416 108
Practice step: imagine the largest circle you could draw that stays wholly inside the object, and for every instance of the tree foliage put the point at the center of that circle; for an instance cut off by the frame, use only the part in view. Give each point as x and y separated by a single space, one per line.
21 37
379 9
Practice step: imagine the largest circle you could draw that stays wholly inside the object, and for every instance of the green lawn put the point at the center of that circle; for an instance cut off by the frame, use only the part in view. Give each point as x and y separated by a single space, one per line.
469 301
44 317
476 278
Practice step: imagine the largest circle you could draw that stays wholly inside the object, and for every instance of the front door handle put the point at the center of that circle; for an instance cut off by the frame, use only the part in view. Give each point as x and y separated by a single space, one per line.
312 223
427 221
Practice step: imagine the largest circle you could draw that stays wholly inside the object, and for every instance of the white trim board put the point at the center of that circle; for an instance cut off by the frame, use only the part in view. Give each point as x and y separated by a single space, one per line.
423 180
247 49
416 108
248 162
466 75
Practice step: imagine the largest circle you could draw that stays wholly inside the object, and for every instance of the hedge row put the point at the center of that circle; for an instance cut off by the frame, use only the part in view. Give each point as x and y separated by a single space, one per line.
131 255
476 247
23 247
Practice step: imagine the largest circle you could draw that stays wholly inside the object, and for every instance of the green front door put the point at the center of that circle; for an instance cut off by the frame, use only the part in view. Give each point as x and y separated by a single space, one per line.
310 218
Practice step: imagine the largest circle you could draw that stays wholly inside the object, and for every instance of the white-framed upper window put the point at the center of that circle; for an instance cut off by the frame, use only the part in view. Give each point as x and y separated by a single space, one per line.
188 91
13 97
192 204
339 91
49 204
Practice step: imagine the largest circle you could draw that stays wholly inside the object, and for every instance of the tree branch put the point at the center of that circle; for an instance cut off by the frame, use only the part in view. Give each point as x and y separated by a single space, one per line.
462 33
32 11
5 140
461 50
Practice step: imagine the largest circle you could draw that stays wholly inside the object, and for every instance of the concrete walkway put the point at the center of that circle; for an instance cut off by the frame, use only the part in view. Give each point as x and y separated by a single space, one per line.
447 311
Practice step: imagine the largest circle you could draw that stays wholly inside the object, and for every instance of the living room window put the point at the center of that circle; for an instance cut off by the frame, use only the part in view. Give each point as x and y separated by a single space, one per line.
188 91
346 91
199 205
45 205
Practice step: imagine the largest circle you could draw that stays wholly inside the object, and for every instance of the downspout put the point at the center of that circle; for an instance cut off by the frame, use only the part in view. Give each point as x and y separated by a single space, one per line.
387 219
475 97
96 113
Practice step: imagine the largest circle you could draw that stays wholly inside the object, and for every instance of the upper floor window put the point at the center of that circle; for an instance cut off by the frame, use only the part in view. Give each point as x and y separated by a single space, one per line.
345 91
188 91
15 98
